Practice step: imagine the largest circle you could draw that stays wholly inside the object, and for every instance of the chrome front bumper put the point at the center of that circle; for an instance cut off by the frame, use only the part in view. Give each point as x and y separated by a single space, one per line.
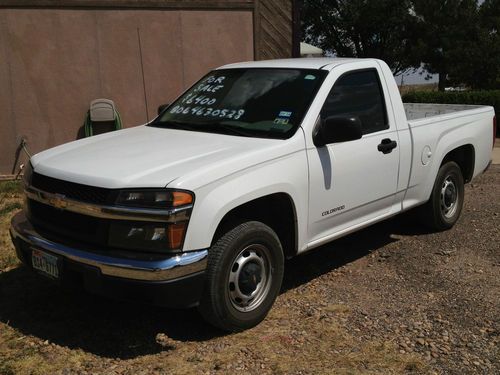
168 268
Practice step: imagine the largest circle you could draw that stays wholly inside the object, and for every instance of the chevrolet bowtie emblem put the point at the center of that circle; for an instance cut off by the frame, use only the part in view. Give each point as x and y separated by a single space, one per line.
58 201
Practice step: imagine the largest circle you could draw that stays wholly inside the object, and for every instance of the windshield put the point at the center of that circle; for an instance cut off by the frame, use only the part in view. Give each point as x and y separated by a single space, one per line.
256 102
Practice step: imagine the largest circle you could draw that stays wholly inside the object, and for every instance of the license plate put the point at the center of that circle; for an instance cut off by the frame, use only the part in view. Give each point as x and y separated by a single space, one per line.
46 263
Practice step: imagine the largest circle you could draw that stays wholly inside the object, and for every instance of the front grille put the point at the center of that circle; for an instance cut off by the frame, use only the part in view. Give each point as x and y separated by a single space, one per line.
58 224
71 228
80 192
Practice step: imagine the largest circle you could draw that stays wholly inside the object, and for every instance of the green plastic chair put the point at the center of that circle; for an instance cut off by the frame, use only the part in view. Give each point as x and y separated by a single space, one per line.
102 116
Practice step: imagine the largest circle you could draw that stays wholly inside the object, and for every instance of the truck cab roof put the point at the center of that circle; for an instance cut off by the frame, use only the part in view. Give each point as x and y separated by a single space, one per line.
326 63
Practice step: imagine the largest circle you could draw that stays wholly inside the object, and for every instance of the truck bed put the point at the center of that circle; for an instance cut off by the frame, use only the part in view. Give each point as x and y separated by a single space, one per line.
418 111
436 129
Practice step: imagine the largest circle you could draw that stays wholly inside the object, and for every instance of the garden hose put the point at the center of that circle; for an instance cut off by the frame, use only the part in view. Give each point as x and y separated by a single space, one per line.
87 124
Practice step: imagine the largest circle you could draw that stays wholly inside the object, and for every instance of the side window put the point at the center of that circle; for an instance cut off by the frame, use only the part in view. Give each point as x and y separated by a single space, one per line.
358 93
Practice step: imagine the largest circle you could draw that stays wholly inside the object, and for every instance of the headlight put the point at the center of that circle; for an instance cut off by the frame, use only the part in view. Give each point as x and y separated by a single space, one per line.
161 199
152 236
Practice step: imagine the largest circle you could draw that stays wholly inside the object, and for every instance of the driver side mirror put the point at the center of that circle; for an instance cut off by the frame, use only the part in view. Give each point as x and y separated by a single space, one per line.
162 107
334 129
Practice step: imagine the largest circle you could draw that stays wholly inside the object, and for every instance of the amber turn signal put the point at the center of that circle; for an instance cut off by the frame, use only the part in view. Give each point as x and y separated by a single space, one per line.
181 198
176 235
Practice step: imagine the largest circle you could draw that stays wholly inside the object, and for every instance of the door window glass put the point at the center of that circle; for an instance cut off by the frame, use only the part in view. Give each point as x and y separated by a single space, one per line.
359 94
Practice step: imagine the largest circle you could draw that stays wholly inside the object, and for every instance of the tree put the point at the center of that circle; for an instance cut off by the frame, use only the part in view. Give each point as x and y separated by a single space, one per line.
447 39
363 28
486 73
457 39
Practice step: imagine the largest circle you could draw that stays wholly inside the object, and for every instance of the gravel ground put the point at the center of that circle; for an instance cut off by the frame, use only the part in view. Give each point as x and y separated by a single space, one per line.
390 299
435 294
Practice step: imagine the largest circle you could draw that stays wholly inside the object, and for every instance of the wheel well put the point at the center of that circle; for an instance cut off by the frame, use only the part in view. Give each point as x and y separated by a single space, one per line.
464 156
276 211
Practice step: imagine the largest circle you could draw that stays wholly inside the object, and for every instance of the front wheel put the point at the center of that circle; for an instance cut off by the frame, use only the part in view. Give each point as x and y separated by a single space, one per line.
443 209
244 275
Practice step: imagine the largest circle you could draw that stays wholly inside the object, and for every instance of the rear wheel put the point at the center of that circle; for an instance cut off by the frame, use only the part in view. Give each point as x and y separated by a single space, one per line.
244 275
443 209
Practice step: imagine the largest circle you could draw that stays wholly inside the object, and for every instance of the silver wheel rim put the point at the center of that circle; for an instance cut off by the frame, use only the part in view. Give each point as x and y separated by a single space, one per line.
449 197
250 278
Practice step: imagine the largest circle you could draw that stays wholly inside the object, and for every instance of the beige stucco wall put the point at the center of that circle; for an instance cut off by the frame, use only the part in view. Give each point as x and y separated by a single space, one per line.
53 62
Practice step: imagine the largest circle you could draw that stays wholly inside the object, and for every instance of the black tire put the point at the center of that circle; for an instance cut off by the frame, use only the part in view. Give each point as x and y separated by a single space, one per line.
236 264
440 213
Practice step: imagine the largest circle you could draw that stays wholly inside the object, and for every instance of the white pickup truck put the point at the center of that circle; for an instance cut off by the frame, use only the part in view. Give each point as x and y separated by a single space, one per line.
255 163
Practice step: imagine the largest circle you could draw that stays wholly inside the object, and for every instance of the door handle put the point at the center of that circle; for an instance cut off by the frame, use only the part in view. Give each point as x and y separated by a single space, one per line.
387 145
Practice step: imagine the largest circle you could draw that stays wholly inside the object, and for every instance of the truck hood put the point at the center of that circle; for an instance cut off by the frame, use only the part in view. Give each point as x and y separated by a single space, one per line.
147 156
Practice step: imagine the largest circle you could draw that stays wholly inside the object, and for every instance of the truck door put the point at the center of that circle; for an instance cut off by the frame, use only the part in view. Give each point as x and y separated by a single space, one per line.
353 183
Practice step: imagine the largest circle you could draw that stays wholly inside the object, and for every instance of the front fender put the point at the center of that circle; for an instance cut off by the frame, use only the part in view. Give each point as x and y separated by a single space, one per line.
288 174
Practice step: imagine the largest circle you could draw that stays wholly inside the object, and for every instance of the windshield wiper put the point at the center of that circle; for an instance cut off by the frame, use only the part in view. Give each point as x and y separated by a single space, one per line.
215 127
224 128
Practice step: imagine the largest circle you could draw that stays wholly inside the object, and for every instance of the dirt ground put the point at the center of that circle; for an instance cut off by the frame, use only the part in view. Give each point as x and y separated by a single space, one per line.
390 299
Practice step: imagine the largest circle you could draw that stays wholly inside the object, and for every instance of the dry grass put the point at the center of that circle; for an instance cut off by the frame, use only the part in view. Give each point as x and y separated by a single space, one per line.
286 343
10 202
314 346
19 353
24 355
